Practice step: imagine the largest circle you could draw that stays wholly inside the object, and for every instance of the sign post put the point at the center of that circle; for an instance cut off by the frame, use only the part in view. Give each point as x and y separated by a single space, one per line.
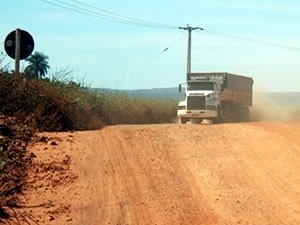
17 51
18 45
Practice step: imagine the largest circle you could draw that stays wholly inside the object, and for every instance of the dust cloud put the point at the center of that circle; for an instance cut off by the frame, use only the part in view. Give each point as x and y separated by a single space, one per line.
266 108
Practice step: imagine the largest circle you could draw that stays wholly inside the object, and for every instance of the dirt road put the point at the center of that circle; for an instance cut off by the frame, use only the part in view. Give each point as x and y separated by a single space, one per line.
180 174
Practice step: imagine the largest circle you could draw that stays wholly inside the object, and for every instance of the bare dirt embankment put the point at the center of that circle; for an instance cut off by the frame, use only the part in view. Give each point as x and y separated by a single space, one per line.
168 174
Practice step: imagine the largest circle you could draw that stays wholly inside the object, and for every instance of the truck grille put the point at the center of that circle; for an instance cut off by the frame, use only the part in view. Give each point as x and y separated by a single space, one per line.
195 102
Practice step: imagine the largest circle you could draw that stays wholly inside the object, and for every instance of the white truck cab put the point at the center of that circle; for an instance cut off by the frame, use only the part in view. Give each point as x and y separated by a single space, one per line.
201 101
216 96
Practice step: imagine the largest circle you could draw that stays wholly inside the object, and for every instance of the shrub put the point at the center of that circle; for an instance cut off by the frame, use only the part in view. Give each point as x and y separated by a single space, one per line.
66 105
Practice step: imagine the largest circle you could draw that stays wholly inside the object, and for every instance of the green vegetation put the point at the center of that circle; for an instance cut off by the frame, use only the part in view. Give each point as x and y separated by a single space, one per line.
38 65
120 108
62 104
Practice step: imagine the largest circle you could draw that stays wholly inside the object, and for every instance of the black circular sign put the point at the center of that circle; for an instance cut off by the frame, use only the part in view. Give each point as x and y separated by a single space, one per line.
26 44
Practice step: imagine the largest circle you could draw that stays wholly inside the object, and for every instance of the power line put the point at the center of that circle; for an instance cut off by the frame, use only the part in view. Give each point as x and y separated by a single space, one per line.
86 12
175 42
107 16
76 10
89 10
154 57
123 16
240 38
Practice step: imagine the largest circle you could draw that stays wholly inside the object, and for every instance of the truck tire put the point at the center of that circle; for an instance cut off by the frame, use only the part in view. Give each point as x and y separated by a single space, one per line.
218 119
241 114
196 121
183 120
227 113
245 114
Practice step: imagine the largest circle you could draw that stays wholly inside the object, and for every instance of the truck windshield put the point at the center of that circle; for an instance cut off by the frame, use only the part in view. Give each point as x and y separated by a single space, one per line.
205 86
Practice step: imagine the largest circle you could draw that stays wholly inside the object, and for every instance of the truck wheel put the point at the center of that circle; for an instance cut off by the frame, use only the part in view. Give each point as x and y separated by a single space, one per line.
218 119
246 114
196 121
183 120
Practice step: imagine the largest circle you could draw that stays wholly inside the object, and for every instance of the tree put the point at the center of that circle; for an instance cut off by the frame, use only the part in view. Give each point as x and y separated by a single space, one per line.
38 65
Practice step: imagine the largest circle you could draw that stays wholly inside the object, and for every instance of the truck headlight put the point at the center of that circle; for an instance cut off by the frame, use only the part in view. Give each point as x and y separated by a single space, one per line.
181 107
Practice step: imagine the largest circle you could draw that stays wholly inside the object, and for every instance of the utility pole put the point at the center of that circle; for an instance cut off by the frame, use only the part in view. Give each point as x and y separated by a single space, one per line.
189 29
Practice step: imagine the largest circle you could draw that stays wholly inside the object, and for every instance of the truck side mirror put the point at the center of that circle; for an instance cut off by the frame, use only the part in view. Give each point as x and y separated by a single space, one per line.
179 88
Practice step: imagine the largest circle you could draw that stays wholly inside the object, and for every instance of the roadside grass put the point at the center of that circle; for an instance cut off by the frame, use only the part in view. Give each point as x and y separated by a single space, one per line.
120 108
62 104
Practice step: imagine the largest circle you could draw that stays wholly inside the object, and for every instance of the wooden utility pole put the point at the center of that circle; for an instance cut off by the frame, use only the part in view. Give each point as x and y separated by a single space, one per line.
189 29
17 51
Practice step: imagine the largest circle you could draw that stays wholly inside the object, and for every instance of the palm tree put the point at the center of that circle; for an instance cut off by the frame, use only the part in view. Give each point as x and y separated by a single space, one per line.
38 65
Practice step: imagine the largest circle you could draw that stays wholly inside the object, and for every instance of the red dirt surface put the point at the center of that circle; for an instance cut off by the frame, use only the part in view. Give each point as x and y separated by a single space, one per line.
225 174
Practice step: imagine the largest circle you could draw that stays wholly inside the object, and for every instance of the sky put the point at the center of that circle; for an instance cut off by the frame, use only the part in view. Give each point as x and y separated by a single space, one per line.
136 44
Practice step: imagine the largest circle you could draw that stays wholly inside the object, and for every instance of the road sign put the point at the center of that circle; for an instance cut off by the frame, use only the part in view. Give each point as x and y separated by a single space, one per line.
26 44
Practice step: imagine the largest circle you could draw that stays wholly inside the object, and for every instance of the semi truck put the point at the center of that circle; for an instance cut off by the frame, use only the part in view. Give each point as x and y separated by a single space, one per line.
217 96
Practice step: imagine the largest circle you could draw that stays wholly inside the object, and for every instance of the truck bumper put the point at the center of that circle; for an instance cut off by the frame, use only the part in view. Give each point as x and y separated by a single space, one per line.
197 114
